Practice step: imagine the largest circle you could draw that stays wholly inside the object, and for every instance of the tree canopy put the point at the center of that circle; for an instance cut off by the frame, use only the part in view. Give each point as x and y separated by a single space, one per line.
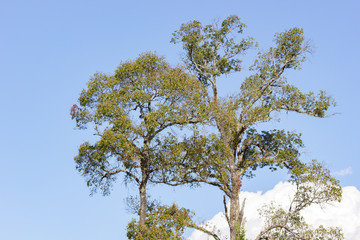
130 112
133 110
237 149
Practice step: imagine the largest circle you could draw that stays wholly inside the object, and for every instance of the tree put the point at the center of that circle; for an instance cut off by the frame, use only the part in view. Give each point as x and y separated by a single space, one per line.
236 149
131 112
314 185
165 222
162 222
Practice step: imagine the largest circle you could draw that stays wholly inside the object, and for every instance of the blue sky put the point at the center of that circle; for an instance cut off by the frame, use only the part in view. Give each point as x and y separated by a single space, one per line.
48 51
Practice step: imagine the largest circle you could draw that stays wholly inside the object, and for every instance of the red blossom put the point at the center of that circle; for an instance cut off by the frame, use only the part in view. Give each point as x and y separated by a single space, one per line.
74 111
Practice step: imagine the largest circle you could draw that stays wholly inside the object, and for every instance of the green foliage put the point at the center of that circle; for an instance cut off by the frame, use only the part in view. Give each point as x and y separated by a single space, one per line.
274 148
129 111
261 95
241 233
315 185
133 110
204 45
163 222
236 149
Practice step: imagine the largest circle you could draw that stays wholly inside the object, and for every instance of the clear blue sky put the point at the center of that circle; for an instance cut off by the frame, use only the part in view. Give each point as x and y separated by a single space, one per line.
48 51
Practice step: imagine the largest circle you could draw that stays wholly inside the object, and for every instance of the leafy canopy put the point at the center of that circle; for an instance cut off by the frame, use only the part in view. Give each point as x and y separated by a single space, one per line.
131 110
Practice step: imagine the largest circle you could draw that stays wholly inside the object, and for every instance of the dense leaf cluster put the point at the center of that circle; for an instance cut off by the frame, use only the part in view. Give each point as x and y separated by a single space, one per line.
163 222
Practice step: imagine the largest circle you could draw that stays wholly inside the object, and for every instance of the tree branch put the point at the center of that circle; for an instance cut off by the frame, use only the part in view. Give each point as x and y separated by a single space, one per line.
269 228
110 173
262 90
226 211
197 227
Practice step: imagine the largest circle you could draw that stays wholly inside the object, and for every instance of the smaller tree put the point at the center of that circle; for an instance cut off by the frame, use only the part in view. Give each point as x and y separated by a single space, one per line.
162 222
314 186
166 222
131 112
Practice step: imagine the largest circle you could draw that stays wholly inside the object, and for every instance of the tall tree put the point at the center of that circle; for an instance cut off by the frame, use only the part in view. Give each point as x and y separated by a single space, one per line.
236 149
131 112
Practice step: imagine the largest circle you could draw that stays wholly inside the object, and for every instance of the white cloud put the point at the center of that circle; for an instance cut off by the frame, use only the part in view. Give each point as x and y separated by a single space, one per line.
343 172
345 214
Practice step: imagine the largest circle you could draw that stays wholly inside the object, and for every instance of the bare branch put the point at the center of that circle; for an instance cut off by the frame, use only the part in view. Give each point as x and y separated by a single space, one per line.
283 226
197 227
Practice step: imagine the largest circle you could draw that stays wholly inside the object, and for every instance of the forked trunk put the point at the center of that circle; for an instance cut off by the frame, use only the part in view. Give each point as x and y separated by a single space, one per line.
236 216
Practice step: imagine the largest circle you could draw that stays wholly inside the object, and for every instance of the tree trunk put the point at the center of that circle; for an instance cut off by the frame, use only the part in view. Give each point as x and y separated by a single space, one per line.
143 203
236 212
142 186
234 215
